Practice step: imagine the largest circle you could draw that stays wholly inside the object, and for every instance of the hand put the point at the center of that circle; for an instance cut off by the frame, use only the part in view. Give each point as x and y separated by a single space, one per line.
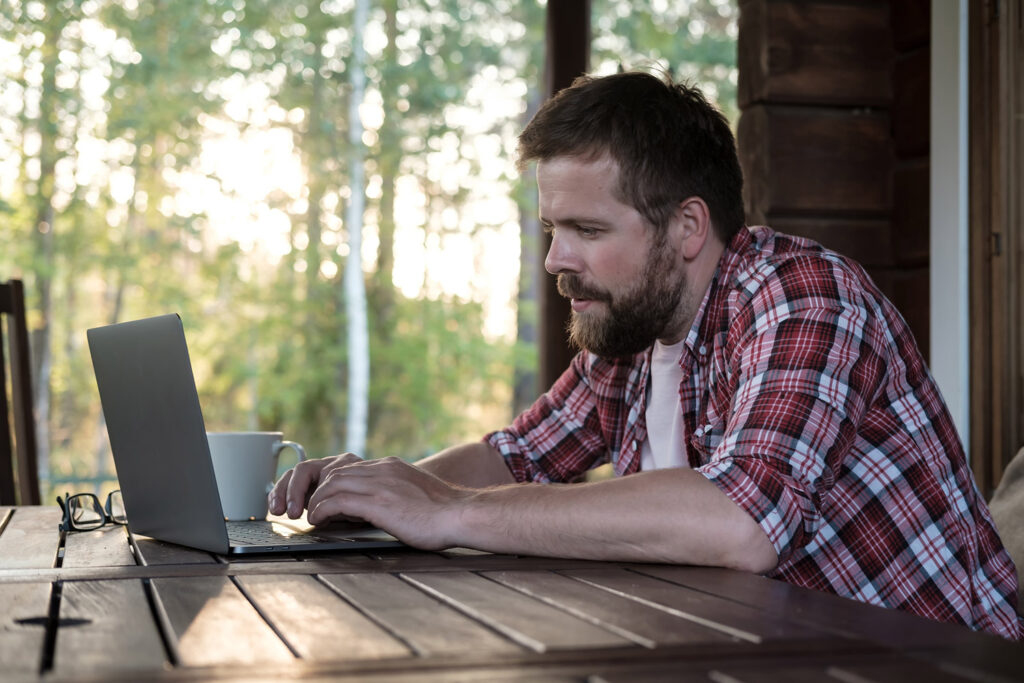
292 491
404 500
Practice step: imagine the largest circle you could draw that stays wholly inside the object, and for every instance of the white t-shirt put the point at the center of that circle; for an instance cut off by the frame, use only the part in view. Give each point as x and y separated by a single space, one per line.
666 437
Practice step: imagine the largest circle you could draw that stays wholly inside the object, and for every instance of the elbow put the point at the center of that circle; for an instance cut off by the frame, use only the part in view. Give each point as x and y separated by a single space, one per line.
752 551
759 562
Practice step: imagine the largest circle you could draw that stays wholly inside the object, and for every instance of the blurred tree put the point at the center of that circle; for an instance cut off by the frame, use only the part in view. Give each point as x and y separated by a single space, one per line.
49 128
116 118
694 40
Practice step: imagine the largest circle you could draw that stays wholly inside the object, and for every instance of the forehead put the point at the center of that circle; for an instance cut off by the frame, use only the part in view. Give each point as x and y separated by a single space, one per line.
596 170
571 185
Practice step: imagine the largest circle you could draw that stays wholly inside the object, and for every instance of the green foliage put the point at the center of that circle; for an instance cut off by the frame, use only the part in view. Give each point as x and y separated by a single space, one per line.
694 40
107 116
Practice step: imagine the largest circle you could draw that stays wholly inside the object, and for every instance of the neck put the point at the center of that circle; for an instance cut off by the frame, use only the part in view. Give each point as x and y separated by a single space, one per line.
700 271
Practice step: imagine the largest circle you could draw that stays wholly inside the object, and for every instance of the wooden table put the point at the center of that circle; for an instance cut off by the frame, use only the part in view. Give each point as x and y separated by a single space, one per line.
103 606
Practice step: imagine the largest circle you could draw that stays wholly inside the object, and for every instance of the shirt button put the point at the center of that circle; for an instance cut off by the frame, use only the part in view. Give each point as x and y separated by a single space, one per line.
700 431
636 445
703 350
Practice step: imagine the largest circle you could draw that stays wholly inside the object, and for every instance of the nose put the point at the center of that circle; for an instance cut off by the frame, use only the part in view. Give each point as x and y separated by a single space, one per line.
560 258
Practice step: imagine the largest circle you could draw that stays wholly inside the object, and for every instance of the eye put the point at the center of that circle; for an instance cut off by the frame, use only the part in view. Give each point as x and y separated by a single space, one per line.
586 231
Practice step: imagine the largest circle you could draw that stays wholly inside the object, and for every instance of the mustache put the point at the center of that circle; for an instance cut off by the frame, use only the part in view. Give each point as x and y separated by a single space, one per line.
571 286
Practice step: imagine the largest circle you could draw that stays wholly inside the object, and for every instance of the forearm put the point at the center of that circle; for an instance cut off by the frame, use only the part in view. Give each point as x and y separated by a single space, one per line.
473 465
675 516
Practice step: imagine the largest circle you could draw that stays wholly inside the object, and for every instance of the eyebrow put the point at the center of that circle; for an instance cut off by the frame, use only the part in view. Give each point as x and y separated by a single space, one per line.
574 220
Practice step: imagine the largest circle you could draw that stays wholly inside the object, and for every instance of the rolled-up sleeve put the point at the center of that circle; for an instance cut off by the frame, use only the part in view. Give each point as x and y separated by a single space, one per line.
806 371
559 437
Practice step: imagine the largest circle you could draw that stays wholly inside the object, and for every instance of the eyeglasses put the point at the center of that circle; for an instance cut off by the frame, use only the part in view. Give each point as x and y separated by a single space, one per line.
83 511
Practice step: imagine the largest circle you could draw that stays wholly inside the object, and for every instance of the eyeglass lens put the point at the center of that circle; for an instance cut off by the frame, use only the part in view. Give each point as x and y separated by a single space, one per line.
85 512
115 508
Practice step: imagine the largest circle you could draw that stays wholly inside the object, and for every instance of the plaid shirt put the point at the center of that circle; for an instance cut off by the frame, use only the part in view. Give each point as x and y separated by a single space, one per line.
807 402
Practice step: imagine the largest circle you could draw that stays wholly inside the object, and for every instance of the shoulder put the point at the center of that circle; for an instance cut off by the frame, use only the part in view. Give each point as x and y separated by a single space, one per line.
793 272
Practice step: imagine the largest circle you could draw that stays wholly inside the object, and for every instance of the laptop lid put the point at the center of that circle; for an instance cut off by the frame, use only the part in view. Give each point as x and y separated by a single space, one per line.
157 433
158 438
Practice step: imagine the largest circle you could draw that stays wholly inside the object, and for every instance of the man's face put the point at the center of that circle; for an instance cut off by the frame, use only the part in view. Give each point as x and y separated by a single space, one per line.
627 284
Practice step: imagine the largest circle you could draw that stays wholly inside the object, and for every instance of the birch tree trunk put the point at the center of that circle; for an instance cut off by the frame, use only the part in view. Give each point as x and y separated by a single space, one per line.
355 286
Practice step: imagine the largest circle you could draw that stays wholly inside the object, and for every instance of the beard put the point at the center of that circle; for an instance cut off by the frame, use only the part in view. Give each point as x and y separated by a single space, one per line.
635 318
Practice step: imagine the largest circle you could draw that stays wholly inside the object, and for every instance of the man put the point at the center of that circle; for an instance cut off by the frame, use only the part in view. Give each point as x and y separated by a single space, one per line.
769 405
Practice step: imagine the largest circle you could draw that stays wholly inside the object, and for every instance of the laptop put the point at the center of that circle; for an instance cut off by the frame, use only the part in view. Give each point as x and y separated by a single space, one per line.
158 438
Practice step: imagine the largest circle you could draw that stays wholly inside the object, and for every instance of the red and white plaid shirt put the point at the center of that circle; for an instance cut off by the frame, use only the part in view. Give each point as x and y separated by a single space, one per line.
806 400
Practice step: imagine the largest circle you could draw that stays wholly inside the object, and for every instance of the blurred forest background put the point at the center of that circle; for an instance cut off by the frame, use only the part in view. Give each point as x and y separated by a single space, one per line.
324 190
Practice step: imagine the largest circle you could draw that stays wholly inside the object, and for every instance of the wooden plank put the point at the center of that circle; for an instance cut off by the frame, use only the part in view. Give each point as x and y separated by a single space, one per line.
428 626
815 160
948 646
156 553
107 626
666 674
24 611
105 547
703 673
911 107
866 241
31 538
895 671
911 214
814 52
645 625
729 617
532 623
911 23
824 612
317 623
210 622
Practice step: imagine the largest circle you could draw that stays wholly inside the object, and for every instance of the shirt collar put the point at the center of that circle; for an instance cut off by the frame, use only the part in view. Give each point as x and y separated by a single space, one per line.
712 307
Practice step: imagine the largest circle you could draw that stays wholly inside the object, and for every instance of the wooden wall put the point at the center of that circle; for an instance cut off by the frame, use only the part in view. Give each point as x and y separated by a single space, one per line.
833 136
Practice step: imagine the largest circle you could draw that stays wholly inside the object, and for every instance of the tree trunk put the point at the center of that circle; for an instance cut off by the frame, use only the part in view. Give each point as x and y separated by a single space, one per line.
355 286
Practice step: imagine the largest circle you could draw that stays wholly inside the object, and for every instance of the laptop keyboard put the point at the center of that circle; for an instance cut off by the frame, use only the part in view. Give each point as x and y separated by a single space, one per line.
263 533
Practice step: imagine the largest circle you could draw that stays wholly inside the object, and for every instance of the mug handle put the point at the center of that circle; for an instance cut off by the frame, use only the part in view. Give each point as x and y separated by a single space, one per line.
280 446
299 450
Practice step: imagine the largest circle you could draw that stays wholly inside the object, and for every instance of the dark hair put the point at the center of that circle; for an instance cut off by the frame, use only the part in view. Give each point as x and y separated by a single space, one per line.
667 140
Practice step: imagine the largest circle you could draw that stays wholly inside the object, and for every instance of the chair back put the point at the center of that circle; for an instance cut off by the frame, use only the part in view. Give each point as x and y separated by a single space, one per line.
19 477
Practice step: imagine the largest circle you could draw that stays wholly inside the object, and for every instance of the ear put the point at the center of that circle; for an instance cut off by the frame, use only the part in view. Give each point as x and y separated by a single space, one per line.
692 224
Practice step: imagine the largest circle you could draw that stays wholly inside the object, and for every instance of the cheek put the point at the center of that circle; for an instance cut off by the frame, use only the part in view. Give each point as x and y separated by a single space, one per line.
622 269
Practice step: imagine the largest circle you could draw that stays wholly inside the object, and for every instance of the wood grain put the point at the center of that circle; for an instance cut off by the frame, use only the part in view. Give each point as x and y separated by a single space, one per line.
31 538
815 160
802 51
645 625
317 623
107 626
534 624
430 627
723 615
24 609
105 547
210 622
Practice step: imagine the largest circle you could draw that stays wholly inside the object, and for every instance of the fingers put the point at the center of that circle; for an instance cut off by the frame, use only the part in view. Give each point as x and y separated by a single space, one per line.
276 501
293 490
348 489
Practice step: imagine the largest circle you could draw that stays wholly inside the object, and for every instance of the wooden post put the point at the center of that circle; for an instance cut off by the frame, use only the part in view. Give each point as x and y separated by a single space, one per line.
568 56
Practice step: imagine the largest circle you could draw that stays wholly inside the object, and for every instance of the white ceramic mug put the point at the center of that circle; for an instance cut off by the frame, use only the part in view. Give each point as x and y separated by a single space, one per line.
245 464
